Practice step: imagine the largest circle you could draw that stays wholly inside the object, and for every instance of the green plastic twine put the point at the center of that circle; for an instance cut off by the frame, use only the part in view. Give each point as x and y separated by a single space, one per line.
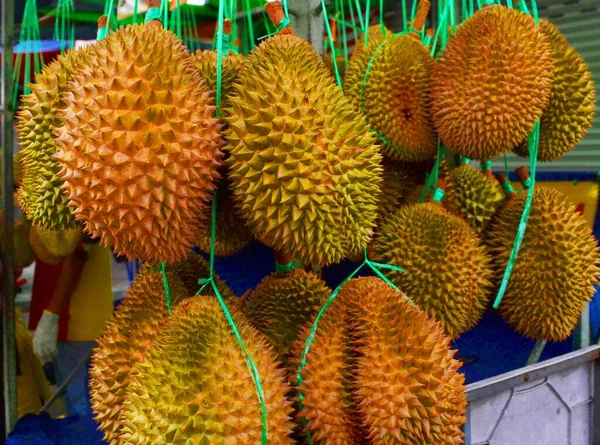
507 188
249 23
213 231
108 12
29 35
338 78
360 15
432 177
313 330
284 268
367 20
153 14
168 300
344 34
283 24
355 28
533 142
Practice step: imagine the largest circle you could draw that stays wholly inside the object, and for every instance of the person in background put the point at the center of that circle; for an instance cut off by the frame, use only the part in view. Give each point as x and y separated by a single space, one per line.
70 306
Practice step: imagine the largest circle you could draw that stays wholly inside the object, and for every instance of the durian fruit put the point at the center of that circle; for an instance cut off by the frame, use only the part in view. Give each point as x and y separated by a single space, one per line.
193 386
24 256
206 64
474 195
283 303
232 235
140 145
189 271
380 371
491 83
556 269
53 246
376 35
447 270
303 165
341 64
395 97
40 195
570 111
125 342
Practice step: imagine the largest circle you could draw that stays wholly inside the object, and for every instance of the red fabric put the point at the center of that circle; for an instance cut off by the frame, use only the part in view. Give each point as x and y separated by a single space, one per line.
45 279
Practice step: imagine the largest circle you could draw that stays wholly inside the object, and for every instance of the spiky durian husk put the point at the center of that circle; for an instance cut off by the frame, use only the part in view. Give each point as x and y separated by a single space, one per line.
140 146
473 196
395 98
491 83
399 180
189 271
556 269
206 63
304 167
128 337
53 246
232 235
23 254
193 385
369 330
430 244
40 195
570 111
283 303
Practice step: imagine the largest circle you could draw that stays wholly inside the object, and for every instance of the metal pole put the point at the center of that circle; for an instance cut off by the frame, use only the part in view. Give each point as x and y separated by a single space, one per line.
307 20
8 272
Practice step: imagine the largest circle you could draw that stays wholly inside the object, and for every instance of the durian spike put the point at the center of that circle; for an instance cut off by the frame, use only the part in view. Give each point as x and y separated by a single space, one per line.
419 20
509 192
276 14
523 174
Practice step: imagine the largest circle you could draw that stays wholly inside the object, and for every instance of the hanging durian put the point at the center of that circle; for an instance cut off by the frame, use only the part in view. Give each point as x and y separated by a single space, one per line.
232 235
189 271
140 145
40 195
570 111
282 303
53 246
389 81
491 83
303 165
193 386
556 269
380 371
128 336
474 195
206 63
446 268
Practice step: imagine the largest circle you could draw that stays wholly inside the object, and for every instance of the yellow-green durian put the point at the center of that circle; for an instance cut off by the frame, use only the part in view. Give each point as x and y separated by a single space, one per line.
303 165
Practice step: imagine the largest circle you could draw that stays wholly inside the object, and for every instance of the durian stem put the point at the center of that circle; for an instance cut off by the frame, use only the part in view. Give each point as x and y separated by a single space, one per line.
420 18
276 14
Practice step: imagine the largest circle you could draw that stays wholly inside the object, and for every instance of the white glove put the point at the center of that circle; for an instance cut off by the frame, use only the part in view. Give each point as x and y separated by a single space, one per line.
45 339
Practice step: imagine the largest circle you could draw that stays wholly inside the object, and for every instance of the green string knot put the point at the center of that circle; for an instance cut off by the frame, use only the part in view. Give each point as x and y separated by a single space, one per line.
154 14
527 183
101 34
507 188
285 268
438 195
282 25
